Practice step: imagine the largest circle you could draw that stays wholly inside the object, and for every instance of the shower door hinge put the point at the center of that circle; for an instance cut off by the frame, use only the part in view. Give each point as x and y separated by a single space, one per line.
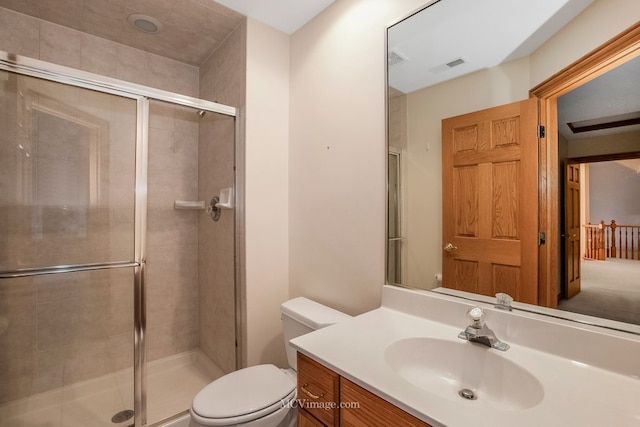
541 131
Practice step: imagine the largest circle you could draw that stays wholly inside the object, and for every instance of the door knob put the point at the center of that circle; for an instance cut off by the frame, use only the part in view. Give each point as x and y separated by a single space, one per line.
450 248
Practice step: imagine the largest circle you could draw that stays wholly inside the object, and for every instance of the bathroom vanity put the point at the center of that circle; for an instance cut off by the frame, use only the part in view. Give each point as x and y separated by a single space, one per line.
404 364
328 399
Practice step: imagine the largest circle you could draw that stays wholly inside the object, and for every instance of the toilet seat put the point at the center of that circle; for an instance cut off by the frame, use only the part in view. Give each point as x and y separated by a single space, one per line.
243 396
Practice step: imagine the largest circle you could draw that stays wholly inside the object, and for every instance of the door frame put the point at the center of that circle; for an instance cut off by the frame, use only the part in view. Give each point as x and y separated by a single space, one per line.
618 50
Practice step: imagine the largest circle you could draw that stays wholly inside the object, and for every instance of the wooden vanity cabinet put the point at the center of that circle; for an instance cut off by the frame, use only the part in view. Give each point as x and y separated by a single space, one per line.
318 391
322 392
372 410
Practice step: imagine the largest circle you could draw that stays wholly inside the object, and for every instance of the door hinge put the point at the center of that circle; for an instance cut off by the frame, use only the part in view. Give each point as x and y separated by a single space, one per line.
542 238
541 131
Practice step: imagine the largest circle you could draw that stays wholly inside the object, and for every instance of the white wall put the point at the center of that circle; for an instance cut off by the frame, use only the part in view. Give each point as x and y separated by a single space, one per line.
337 154
266 192
614 193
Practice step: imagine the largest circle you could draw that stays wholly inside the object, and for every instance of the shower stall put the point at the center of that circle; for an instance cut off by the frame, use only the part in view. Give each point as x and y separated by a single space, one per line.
118 297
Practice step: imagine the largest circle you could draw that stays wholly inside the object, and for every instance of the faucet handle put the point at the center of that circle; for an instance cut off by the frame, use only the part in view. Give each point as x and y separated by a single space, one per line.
476 317
503 301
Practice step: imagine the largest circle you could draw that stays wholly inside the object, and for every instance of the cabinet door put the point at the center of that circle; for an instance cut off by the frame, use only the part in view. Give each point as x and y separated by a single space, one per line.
318 389
362 408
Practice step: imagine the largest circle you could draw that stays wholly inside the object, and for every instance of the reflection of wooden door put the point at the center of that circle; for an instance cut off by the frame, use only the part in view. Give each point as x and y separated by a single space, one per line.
490 201
572 229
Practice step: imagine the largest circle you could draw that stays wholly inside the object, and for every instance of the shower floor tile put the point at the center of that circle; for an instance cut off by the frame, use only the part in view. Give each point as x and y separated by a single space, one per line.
172 384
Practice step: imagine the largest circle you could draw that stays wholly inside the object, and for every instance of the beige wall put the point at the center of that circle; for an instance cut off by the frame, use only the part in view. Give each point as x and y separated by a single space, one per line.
337 154
266 192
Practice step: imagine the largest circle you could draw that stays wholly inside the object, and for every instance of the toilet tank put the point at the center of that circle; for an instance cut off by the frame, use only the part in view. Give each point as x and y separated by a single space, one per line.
301 316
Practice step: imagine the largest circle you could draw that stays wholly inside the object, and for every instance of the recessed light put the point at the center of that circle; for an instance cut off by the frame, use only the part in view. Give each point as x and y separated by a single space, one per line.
146 24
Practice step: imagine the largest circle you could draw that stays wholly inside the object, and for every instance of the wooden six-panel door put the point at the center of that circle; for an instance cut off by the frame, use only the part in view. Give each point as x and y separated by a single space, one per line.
572 230
490 201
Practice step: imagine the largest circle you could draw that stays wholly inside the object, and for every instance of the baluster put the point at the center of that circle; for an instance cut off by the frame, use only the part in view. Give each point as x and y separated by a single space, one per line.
603 244
601 241
587 243
626 242
613 239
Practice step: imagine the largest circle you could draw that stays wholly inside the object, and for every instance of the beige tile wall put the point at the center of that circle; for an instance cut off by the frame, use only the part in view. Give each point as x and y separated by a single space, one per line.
52 335
222 79
172 239
28 36
63 329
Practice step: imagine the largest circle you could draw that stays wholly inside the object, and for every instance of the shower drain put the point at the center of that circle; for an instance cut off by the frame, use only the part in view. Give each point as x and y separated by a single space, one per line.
122 416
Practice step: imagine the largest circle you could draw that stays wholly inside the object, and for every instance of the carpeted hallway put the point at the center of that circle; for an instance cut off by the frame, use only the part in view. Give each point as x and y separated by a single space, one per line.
609 289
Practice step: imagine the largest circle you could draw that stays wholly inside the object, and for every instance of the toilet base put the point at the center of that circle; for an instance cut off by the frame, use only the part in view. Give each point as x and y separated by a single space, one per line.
284 417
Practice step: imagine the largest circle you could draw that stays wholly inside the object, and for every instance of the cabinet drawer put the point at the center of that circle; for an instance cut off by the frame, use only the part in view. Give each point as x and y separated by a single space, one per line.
318 390
371 410
306 420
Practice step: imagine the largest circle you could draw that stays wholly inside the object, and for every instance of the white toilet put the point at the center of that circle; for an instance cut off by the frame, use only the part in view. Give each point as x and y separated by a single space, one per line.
263 395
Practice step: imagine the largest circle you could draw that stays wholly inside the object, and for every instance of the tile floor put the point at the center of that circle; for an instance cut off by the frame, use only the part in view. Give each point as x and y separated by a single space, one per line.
172 383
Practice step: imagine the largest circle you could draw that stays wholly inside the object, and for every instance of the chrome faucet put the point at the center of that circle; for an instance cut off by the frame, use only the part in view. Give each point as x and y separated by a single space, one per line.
477 331
503 301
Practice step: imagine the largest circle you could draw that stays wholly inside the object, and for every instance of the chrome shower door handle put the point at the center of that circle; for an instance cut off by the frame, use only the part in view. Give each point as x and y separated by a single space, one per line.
450 247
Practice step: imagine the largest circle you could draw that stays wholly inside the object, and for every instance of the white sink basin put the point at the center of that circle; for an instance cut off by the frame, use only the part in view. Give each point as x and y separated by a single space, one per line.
446 368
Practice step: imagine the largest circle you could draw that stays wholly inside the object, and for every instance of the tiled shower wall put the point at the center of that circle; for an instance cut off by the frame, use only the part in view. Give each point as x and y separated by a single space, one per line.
67 170
175 294
222 79
172 235
28 36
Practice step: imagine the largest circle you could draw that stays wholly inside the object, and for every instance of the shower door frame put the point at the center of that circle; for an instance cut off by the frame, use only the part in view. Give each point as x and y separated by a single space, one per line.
142 95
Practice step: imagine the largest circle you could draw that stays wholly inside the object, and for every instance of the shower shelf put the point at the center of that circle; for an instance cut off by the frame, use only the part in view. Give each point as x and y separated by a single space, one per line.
183 204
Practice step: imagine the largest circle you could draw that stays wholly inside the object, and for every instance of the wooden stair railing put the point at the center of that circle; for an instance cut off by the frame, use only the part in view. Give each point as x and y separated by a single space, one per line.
612 241
595 241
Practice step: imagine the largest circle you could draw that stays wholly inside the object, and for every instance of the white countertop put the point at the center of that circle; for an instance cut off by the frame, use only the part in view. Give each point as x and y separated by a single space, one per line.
575 393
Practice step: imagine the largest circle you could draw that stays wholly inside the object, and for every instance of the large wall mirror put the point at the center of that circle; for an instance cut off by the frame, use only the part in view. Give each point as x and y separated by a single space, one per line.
509 175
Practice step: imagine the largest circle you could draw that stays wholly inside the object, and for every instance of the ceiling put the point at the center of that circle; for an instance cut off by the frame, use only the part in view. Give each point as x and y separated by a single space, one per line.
286 15
612 97
473 34
482 34
191 29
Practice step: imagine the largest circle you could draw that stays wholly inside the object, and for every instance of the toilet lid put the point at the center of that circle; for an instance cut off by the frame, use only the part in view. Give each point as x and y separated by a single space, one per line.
243 392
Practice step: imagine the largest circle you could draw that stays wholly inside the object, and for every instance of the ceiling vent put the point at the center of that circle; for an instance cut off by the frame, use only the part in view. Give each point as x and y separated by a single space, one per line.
395 58
447 66
455 63
145 23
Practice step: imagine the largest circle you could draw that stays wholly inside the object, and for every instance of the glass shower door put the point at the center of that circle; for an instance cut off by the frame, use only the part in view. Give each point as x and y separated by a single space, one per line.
67 198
